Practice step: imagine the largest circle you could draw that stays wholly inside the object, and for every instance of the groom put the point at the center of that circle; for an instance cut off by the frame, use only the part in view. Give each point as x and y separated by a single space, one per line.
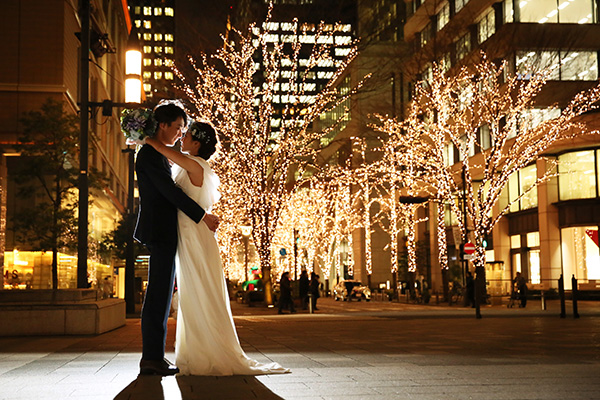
157 230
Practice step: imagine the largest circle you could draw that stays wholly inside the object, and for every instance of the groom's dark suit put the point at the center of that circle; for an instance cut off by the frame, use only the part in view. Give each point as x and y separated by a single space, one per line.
157 229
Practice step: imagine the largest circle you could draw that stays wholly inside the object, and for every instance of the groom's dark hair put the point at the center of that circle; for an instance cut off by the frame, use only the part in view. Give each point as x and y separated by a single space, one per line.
168 113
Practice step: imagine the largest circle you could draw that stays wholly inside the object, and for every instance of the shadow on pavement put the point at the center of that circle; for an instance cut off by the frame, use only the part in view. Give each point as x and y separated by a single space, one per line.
196 388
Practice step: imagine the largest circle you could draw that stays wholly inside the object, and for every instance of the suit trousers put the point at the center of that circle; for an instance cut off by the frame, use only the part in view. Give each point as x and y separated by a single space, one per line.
157 301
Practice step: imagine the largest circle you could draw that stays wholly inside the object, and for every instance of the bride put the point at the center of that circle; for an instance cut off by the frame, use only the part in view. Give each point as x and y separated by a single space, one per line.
206 339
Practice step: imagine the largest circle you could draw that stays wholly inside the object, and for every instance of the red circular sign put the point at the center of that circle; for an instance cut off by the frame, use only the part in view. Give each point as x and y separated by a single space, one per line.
469 248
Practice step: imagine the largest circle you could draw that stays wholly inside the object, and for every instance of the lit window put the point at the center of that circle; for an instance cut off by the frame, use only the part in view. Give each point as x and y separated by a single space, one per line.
136 10
563 65
486 26
576 175
147 49
463 46
169 75
343 40
443 16
288 26
515 242
508 12
325 39
342 52
425 35
168 50
168 62
459 4
158 49
147 24
157 75
147 87
157 11
521 183
158 62
158 36
306 38
564 12
147 62
168 37
138 23
169 12
147 10
147 36
147 75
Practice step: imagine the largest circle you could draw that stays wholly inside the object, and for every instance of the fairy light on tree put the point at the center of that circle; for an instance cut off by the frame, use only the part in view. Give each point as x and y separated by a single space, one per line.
259 163
451 110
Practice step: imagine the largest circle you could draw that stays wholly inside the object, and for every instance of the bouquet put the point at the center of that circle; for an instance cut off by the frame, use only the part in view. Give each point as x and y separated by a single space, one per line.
137 125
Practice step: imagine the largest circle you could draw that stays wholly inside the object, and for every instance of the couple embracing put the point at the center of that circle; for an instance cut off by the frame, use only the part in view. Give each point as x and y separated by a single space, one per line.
175 225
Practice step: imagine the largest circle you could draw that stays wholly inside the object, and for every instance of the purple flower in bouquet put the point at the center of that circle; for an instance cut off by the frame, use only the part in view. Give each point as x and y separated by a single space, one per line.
138 124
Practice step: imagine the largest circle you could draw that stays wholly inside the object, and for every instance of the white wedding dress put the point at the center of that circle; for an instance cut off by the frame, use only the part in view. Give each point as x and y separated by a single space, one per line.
206 339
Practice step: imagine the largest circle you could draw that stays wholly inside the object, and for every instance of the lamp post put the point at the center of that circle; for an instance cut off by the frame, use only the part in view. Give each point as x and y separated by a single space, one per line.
246 231
133 94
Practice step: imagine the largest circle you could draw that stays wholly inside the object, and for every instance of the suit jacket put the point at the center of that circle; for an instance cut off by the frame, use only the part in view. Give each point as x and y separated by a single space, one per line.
159 199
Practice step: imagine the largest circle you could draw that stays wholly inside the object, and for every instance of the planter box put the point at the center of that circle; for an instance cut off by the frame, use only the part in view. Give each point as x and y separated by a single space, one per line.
58 312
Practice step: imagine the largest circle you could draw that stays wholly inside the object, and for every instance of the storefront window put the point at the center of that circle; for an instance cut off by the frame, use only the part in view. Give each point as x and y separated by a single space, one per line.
581 255
33 270
576 179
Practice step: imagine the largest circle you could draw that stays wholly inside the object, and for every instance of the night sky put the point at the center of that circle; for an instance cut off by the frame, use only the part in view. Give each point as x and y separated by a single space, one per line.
200 24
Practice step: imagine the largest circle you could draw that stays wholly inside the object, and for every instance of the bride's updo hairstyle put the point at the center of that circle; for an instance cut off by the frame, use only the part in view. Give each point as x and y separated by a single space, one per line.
205 134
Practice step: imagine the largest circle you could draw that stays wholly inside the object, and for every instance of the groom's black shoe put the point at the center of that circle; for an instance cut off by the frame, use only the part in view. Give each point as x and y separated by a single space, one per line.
157 367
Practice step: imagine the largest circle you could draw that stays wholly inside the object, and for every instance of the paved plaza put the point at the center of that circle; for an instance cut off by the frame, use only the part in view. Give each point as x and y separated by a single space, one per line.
344 351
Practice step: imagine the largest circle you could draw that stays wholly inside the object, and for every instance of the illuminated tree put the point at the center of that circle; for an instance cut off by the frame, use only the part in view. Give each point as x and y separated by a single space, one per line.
260 164
453 110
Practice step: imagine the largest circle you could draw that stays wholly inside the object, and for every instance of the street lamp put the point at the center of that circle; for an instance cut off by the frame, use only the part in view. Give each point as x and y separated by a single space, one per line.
246 231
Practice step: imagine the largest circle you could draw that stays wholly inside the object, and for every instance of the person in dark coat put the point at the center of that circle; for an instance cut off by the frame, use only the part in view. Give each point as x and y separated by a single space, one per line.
304 286
285 293
314 289
521 284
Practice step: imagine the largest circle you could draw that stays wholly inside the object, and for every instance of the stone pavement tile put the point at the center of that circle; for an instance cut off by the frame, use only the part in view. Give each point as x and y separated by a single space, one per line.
339 371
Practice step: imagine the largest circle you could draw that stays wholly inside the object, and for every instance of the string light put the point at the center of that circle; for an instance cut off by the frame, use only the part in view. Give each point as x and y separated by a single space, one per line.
451 109
260 167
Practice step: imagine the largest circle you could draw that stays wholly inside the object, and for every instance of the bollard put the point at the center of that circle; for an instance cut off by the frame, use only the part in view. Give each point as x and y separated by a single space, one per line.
561 293
575 293
543 301
310 303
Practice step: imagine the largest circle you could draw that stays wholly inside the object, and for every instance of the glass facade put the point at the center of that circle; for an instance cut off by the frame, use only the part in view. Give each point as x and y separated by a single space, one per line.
581 255
562 65
33 270
577 177
557 11
520 184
